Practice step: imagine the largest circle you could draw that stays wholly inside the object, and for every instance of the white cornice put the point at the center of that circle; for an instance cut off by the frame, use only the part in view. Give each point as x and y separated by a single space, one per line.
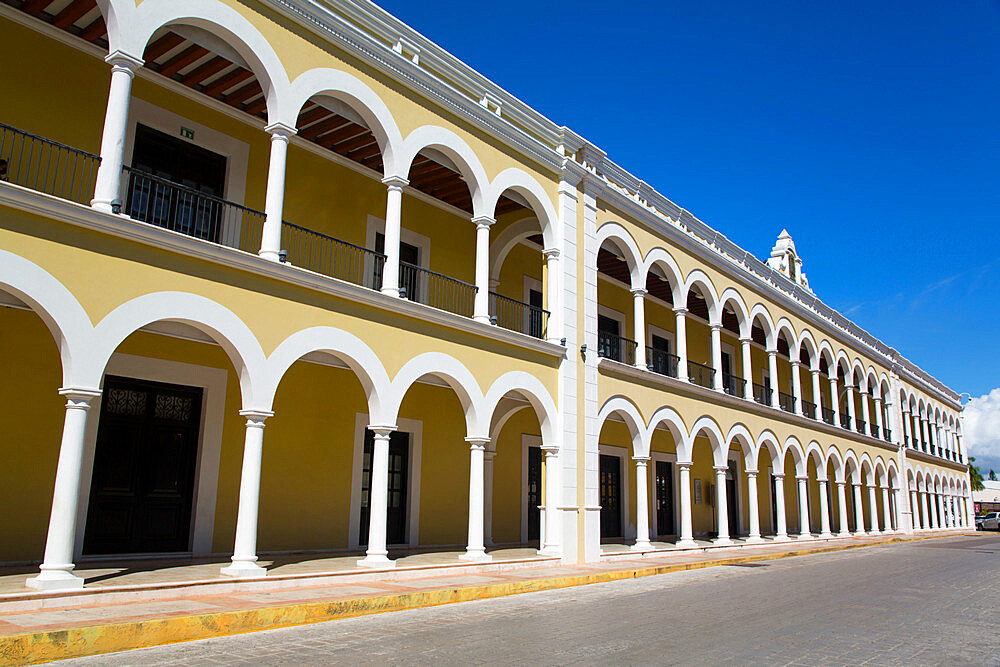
121 226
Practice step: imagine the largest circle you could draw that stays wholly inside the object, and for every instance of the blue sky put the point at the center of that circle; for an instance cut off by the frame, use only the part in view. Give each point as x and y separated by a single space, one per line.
868 130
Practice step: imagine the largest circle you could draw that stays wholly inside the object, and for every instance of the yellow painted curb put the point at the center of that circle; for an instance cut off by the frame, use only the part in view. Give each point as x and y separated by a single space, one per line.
34 647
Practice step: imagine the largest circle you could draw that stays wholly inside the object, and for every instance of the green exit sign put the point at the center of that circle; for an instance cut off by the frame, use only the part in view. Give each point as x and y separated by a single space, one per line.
187 133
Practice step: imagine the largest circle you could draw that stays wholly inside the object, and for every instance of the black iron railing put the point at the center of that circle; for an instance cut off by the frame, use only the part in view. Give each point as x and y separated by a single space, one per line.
436 289
828 415
518 316
809 409
662 362
332 257
761 394
157 201
734 384
906 441
47 166
700 374
845 420
615 347
786 401
861 426
873 429
886 434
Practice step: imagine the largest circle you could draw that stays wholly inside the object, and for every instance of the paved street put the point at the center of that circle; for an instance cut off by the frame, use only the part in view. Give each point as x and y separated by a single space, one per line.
929 602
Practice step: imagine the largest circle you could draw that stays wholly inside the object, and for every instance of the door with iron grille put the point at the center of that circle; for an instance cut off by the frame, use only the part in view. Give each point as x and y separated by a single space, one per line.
534 492
397 501
142 489
611 497
665 498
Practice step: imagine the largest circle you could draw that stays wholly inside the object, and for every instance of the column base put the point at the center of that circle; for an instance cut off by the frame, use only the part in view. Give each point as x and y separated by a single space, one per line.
843 533
550 550
685 543
826 536
485 319
376 561
101 205
245 569
754 539
476 556
804 536
390 291
781 538
270 255
641 546
860 533
722 542
55 579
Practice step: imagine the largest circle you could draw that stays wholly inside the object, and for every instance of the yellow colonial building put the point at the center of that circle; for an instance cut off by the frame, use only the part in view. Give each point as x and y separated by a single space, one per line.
284 276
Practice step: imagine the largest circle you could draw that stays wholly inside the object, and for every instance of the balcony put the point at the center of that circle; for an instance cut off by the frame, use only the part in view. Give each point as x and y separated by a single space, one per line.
616 348
734 385
886 434
662 362
873 429
809 409
65 172
845 421
828 415
861 426
762 394
701 375
906 441
786 401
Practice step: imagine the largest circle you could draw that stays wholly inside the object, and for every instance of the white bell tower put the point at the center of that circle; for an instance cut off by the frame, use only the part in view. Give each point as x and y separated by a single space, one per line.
785 260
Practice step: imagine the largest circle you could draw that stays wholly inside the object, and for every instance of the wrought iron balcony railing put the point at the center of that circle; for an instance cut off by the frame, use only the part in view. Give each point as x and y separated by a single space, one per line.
761 394
436 289
786 401
809 409
518 316
845 420
700 374
332 257
734 384
47 166
861 426
828 415
662 362
616 348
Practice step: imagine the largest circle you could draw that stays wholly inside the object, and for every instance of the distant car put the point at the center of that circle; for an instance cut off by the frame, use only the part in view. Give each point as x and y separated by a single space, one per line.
990 521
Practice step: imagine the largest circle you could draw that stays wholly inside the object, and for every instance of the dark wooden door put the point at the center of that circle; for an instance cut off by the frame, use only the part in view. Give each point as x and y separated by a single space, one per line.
142 488
534 492
732 500
396 511
665 498
611 497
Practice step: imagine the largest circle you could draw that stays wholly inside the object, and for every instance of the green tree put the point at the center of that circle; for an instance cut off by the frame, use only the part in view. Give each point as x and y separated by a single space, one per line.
975 474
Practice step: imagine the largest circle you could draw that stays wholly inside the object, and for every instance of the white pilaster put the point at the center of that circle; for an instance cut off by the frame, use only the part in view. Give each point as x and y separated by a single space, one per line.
834 395
853 425
554 328
489 455
245 548
551 545
880 432
377 555
865 412
886 511
642 504
722 505
56 570
817 395
393 222
274 204
107 186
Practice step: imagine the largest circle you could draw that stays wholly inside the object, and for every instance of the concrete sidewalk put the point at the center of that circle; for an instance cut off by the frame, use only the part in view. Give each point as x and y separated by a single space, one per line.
41 628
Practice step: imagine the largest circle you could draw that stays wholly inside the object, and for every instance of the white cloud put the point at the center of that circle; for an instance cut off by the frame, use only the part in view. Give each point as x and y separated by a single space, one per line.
981 426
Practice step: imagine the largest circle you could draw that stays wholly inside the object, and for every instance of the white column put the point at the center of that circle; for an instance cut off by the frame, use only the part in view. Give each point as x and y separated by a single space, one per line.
907 439
879 433
554 328
488 455
274 204
747 369
641 504
924 434
56 570
722 505
824 510
475 550
817 395
481 306
245 548
796 387
717 357
684 481
393 222
886 511
834 402
753 507
639 311
842 502
781 530
680 315
865 412
940 505
107 186
873 510
551 538
915 510
772 365
859 512
928 522
850 409
804 533
378 507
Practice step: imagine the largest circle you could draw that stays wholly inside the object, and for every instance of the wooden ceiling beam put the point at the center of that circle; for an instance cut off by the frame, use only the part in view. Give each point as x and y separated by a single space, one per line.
343 133
35 7
95 30
189 55
169 41
331 123
206 71
311 115
247 92
72 13
356 142
227 81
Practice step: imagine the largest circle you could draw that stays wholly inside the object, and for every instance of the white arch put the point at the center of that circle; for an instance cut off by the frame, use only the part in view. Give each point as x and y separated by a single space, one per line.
815 451
214 319
833 456
867 469
524 184
852 469
62 314
760 310
675 424
324 81
343 345
625 409
731 295
220 21
707 426
619 236
659 257
767 440
741 435
785 325
534 391
793 445
826 350
506 240
452 146
699 278
452 372
806 338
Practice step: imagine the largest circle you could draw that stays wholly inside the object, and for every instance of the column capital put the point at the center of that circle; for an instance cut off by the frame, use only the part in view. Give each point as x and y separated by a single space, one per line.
822 480
550 450
638 291
382 430
124 61
839 482
795 363
641 459
256 417
750 473
80 394
280 131
395 182
686 465
746 340
719 469
778 475
802 478
715 326
481 221
680 310
551 253
477 443
772 351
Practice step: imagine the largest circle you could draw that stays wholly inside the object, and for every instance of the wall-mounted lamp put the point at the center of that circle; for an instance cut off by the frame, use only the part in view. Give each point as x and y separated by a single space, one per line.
583 351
